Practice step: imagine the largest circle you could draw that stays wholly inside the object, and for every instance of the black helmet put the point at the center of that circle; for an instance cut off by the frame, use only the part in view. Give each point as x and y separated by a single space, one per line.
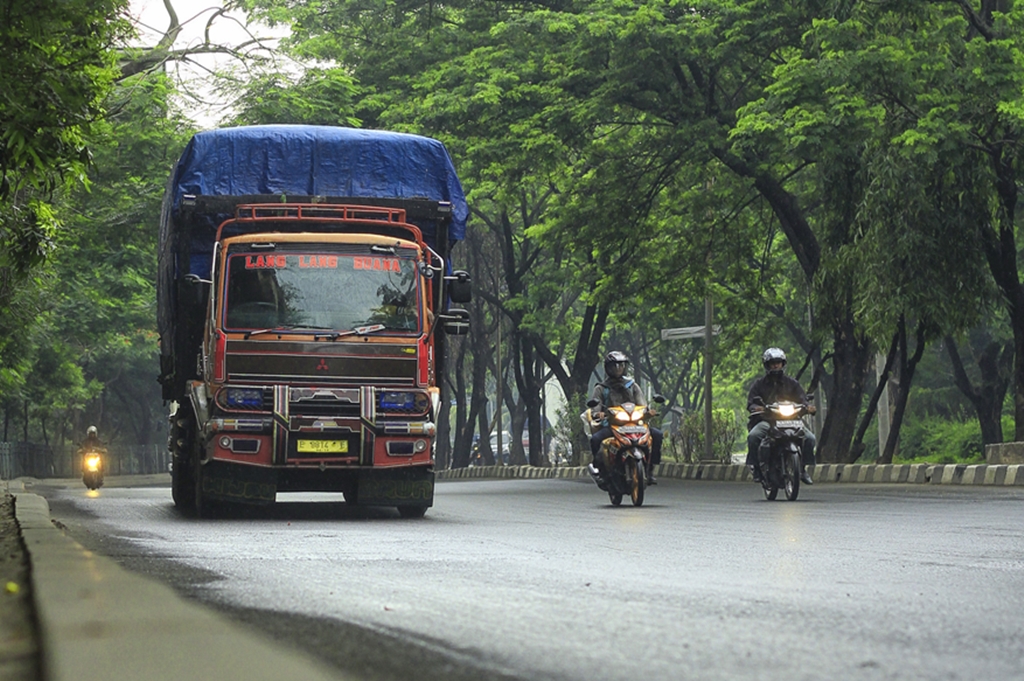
773 355
615 360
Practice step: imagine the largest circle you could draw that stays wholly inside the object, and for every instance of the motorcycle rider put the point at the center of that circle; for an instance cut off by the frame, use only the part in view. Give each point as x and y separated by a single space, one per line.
775 385
92 440
617 389
91 443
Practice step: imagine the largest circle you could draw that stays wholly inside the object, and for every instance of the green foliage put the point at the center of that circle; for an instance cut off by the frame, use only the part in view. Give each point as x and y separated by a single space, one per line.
82 347
940 441
106 307
322 96
687 441
57 64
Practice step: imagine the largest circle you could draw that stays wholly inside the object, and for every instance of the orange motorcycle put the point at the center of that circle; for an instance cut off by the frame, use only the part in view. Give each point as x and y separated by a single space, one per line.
627 452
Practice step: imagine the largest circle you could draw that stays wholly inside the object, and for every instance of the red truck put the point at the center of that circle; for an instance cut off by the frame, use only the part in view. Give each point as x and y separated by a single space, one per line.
304 293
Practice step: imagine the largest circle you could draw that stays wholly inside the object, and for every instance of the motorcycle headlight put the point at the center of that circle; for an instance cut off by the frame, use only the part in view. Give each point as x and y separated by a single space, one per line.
638 415
786 410
622 416
92 462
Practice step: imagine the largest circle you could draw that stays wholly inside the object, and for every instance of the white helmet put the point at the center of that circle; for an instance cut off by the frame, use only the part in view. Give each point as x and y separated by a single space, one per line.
773 355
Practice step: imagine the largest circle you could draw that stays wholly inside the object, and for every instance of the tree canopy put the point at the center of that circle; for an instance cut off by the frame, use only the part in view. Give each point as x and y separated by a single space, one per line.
838 177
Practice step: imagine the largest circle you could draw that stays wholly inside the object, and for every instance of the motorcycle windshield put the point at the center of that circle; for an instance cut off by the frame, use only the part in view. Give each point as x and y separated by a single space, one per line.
316 291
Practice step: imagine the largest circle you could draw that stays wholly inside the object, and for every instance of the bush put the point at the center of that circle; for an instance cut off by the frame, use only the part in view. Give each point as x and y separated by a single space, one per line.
687 442
940 441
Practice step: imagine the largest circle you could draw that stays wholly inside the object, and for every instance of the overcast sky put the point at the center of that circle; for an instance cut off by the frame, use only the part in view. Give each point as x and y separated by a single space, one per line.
152 20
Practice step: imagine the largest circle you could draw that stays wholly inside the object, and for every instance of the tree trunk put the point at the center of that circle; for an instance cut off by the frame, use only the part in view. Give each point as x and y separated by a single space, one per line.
987 399
857 448
530 387
851 358
907 368
999 244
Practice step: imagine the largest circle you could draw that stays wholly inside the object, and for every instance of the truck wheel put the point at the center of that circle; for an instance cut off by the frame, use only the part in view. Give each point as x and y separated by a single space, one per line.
183 485
412 511
206 508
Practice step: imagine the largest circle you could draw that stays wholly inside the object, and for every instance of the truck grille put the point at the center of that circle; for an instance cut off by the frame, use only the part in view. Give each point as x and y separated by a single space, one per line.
324 402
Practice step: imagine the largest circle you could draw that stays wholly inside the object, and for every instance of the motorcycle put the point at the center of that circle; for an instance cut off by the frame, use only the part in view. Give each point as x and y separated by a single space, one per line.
779 455
92 469
627 452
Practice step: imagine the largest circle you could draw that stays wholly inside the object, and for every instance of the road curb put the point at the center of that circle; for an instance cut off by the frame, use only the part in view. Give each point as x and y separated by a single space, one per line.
98 621
954 474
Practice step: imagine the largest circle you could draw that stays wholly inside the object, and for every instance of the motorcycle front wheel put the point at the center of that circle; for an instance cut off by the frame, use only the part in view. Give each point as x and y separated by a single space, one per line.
791 475
635 478
770 492
615 498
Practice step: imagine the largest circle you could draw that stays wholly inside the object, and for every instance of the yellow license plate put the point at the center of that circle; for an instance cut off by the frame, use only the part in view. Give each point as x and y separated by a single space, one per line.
323 446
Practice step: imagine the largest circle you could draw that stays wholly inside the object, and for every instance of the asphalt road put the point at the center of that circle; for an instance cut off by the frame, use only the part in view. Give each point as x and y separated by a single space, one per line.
542 579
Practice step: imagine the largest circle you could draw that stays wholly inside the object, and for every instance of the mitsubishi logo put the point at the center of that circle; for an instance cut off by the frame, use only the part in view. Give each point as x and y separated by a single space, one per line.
322 366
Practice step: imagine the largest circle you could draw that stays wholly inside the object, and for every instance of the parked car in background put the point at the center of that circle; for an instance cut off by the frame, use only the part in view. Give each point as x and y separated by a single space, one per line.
506 439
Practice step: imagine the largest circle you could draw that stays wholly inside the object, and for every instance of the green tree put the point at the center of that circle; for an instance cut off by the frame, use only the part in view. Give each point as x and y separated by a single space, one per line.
57 64
106 305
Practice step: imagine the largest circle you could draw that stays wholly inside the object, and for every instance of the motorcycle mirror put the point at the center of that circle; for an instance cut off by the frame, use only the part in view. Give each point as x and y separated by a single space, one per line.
660 399
592 403
810 397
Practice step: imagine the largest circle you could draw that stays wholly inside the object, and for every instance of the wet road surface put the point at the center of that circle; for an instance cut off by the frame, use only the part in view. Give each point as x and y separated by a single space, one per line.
543 579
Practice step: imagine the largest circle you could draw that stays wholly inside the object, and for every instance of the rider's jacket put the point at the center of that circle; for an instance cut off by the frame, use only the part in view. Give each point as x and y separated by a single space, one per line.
90 442
612 392
772 389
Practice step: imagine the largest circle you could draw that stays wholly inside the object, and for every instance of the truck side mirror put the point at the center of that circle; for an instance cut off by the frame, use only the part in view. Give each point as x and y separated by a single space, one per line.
455 322
459 287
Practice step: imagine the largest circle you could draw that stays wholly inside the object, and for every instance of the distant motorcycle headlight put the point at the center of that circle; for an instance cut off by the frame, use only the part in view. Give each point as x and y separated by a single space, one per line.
786 410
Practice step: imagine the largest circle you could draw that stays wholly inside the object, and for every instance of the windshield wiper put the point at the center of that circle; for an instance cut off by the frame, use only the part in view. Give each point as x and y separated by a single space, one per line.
288 327
333 335
358 331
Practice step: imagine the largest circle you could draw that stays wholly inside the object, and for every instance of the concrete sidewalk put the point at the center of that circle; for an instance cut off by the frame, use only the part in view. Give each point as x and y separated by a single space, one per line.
97 621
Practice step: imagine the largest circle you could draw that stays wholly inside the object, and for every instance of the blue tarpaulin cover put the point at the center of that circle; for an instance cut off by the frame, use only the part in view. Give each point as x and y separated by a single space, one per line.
320 161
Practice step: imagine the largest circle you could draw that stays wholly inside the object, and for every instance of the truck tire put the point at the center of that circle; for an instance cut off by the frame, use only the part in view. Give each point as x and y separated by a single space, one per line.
206 508
183 485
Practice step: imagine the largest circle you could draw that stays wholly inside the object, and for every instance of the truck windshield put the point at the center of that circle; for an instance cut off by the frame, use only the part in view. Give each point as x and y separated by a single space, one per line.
316 291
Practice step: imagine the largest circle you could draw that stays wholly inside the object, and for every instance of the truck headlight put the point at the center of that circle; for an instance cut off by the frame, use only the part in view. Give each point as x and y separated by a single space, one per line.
404 401
246 398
